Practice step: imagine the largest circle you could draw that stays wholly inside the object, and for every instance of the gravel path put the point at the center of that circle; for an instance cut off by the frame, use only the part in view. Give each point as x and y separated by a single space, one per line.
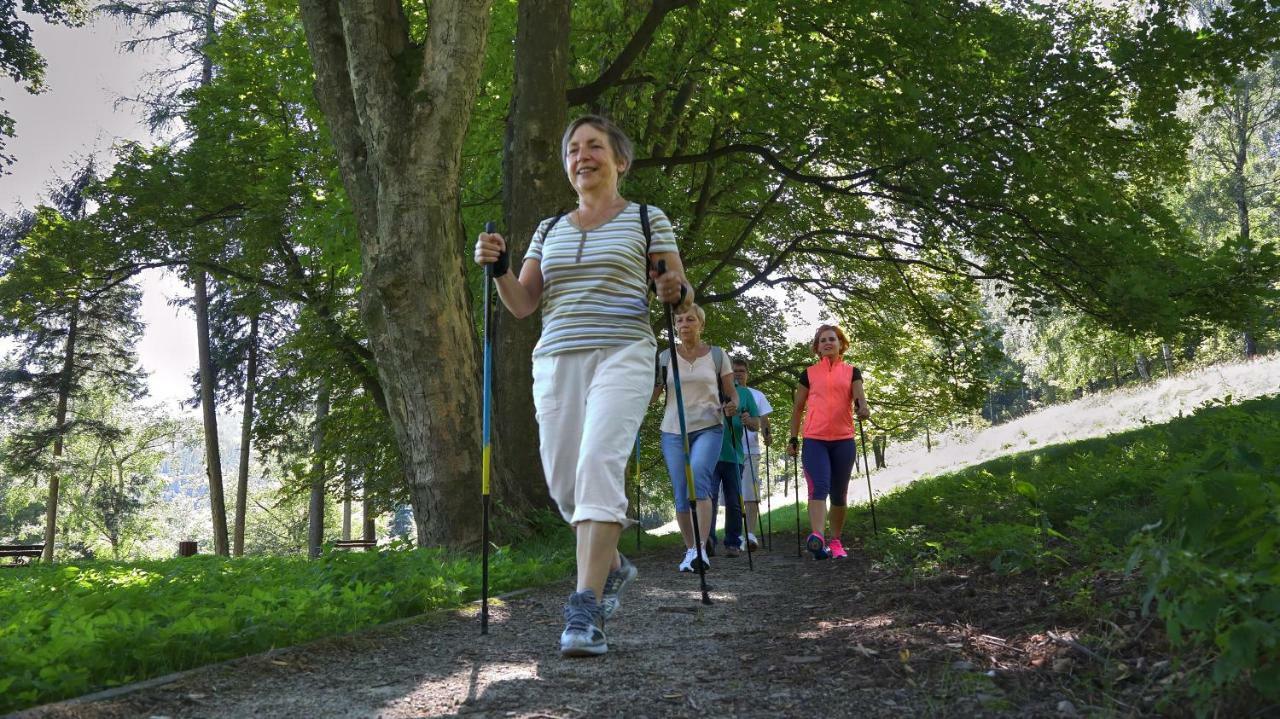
793 638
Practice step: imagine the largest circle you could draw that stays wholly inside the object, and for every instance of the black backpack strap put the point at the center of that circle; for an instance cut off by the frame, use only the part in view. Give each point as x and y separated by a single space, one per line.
554 221
648 231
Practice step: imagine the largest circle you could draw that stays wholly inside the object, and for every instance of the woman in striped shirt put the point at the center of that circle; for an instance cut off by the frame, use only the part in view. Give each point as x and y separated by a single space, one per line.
592 366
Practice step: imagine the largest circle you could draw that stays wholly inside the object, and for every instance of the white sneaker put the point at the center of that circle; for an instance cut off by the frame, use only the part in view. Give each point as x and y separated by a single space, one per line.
706 562
686 564
753 542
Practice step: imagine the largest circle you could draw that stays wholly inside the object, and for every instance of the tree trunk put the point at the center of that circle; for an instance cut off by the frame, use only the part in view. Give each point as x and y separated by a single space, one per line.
315 512
367 517
246 437
928 441
534 187
346 508
877 448
65 383
1144 368
1166 352
399 148
212 453
1240 188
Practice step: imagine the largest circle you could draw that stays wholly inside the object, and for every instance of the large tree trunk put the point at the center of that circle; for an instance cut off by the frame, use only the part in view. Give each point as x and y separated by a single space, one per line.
397 113
212 453
246 437
534 187
65 383
1144 368
1166 352
315 510
367 516
346 508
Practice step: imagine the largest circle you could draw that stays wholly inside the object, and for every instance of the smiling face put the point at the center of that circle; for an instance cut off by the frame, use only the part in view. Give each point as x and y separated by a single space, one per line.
591 162
828 344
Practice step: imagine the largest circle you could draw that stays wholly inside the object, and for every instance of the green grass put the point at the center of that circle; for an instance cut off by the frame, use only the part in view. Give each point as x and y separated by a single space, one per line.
1192 507
74 628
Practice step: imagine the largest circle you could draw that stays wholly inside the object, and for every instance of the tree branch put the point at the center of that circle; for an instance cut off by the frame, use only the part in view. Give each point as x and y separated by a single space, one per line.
589 93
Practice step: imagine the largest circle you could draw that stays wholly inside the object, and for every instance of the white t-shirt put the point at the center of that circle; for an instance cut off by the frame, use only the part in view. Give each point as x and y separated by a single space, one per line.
700 389
762 404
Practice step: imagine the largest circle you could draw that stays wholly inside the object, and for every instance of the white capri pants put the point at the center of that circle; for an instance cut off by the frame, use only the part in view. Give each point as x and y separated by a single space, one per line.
589 405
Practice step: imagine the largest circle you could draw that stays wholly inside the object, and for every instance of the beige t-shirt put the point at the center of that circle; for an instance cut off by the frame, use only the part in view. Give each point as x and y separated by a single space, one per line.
700 389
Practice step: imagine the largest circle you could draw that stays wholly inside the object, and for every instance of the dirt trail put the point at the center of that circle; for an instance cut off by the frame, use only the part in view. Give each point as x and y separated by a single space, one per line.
794 638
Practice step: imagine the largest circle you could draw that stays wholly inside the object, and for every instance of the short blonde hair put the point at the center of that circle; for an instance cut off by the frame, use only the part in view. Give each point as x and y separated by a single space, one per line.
694 308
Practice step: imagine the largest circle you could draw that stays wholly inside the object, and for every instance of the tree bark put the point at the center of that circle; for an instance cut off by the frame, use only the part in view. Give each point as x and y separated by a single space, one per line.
367 517
246 437
1166 352
1144 368
65 383
212 453
346 508
397 113
534 187
315 511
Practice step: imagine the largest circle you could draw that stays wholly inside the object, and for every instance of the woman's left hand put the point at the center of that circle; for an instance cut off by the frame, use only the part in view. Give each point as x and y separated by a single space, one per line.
669 285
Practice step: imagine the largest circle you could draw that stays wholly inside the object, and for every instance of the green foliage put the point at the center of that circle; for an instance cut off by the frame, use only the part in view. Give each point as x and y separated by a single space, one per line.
71 629
1195 504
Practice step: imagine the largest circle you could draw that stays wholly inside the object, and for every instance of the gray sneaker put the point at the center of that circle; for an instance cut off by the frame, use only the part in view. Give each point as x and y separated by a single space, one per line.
613 586
583 634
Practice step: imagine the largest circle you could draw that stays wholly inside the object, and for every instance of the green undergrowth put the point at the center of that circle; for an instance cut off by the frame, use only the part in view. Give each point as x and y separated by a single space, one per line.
74 628
1191 508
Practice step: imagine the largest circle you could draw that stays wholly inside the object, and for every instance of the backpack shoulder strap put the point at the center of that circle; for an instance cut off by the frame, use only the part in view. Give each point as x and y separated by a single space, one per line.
554 221
648 231
717 355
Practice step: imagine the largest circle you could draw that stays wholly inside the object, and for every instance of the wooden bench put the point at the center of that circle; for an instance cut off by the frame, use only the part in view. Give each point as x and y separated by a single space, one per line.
365 544
21 553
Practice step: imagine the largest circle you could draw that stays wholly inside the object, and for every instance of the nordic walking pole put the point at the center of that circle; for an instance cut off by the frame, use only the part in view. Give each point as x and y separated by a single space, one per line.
485 450
875 528
684 437
795 479
637 492
755 480
737 477
768 480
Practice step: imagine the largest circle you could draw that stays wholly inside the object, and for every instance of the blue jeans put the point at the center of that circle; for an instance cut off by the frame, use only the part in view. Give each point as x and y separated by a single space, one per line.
704 450
727 475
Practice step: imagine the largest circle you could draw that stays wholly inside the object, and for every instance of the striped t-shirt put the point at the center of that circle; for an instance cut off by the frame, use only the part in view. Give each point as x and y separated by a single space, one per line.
595 283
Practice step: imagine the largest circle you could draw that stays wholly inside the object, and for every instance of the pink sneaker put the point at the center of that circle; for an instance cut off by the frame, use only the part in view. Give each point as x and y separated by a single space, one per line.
837 549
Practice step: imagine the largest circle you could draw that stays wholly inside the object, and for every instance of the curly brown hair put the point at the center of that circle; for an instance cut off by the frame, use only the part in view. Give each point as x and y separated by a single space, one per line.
844 341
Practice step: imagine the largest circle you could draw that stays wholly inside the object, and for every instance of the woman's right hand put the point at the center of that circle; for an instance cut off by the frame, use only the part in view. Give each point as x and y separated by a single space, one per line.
489 246
793 448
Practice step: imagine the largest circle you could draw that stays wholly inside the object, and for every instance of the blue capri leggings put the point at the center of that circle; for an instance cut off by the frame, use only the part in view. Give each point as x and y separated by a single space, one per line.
827 467
704 452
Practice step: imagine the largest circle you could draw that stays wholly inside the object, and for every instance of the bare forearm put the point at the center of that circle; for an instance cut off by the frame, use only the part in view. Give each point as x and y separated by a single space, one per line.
516 296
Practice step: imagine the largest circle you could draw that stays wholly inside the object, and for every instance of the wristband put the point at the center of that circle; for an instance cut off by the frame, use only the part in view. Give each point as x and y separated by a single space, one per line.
501 265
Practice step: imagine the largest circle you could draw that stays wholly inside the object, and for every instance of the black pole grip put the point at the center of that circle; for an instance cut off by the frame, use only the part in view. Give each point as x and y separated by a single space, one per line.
662 270
500 266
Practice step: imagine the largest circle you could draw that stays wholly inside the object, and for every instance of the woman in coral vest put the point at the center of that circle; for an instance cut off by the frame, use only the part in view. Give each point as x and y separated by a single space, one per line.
826 396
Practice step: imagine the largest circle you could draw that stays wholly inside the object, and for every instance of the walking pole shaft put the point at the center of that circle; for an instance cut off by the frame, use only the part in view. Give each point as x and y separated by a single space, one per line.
486 453
768 481
684 436
637 492
875 528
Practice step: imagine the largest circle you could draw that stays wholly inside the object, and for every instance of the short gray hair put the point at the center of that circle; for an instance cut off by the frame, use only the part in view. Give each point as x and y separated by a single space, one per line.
623 150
